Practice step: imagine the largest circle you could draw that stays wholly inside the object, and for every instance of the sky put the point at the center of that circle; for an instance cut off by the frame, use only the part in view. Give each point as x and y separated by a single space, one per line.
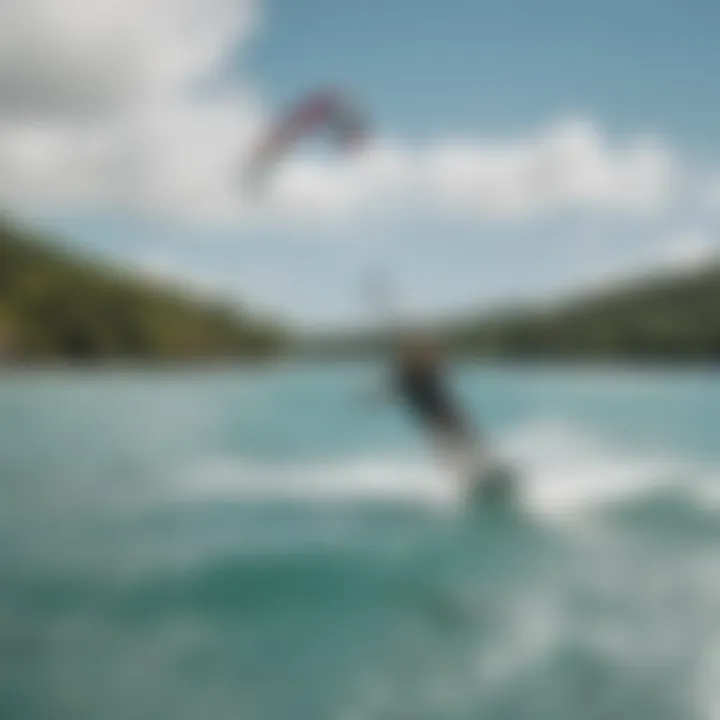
518 150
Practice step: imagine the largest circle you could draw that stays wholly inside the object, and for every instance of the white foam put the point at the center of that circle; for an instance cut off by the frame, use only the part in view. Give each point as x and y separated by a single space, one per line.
358 478
563 471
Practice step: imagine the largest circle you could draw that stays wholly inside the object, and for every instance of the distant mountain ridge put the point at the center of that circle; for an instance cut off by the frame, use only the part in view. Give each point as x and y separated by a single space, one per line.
60 305
667 316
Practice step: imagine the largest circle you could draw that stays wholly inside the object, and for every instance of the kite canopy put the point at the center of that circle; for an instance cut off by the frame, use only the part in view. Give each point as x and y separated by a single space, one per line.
322 110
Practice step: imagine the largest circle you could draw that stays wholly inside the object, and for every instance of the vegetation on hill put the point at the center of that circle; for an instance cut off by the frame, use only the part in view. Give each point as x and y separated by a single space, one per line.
665 317
55 305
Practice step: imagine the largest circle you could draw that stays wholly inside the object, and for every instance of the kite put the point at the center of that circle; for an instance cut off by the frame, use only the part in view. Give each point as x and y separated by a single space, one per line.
324 110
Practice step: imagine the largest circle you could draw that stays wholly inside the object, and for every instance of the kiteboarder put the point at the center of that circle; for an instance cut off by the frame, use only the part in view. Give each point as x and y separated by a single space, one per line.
420 382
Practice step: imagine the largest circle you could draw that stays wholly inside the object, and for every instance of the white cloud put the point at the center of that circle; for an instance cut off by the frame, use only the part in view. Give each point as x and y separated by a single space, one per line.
683 252
100 108
79 58
571 165
381 175
100 103
711 194
689 251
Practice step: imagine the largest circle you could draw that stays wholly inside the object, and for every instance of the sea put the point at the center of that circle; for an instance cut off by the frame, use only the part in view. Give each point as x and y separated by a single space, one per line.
281 543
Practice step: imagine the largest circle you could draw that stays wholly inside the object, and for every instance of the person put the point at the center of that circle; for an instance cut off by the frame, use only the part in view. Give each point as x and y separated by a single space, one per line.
418 379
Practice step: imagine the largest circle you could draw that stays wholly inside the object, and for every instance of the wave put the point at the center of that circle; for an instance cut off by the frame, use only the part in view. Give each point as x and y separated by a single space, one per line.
563 471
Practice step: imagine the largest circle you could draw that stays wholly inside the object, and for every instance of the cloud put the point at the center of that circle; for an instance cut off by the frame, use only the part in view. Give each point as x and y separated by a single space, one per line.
116 104
109 103
688 251
568 166
711 194
75 59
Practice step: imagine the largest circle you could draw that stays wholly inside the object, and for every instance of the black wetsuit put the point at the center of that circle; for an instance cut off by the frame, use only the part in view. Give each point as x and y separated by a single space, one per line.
421 386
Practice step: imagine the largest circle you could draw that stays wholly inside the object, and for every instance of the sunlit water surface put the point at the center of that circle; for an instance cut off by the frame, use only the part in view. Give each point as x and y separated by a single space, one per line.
269 544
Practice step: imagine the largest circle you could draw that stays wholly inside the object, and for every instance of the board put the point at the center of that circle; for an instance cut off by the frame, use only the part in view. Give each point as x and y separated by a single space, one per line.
484 478
494 484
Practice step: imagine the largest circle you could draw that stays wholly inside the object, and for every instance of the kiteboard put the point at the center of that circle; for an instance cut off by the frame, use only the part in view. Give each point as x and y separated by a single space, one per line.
493 483
484 479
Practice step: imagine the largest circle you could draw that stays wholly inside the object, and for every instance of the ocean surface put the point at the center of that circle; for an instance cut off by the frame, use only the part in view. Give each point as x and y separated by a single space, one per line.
272 544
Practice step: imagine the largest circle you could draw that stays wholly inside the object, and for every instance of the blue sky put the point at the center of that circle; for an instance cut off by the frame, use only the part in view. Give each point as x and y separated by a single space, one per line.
504 66
466 98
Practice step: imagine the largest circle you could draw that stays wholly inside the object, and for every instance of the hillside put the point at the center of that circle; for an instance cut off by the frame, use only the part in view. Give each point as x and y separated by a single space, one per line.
55 305
662 317
657 318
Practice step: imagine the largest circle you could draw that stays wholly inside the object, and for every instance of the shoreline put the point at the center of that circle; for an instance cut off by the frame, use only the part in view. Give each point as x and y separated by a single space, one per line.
461 360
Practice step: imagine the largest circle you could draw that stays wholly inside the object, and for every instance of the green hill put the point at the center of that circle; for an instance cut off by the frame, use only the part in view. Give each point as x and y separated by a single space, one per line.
56 305
662 317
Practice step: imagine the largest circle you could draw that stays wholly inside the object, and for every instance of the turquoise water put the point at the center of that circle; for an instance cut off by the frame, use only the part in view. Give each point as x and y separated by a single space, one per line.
269 544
